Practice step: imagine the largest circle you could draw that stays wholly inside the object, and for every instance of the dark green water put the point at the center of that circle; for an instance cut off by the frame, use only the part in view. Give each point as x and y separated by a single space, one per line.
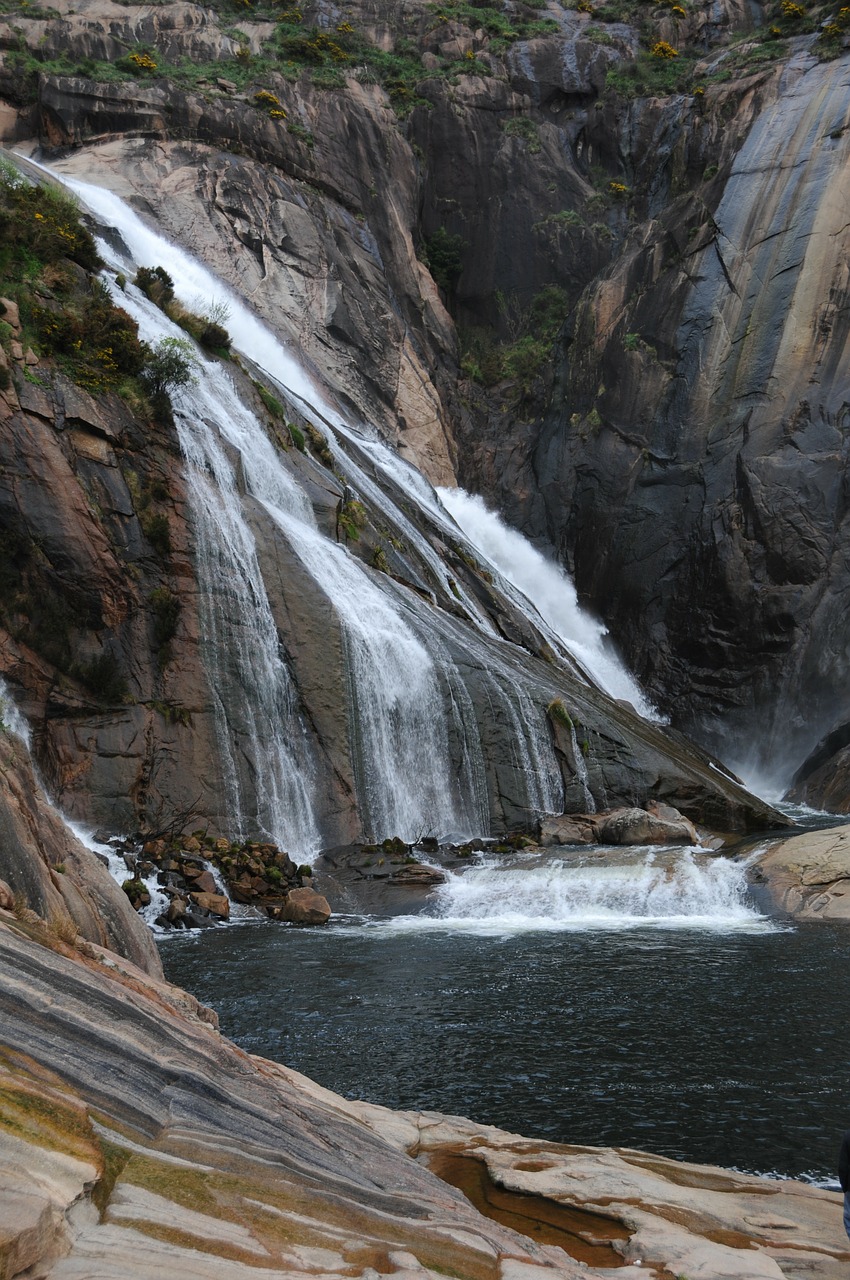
729 1048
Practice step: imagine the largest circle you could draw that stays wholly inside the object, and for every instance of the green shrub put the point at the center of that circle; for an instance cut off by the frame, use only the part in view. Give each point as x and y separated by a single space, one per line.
526 129
156 284
558 713
352 519
444 258
104 677
166 611
168 365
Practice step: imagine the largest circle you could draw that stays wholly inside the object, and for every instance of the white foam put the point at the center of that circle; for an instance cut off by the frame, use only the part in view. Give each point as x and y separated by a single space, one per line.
685 891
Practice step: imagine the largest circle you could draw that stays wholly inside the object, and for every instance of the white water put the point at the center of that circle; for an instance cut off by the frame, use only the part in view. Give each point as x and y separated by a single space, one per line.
11 718
400 730
548 590
581 771
411 780
120 872
199 289
691 892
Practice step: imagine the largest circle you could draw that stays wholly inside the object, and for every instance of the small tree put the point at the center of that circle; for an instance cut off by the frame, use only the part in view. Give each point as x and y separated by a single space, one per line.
171 364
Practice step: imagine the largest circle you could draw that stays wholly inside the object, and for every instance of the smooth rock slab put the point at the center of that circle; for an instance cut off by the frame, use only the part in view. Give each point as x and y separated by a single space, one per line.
809 875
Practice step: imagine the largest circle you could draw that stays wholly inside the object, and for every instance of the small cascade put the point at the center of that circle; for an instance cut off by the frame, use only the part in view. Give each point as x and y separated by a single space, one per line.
11 718
259 731
685 890
423 496
121 873
550 592
581 771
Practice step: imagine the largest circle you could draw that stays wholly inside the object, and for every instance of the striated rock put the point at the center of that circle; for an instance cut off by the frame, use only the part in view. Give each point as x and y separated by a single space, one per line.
305 906
808 876
690 466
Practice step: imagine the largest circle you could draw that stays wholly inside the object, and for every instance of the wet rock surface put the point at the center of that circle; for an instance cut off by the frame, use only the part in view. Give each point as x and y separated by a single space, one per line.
200 875
46 872
661 825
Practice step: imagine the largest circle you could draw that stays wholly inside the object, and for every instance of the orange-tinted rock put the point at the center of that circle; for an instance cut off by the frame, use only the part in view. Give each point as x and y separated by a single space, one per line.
216 903
305 906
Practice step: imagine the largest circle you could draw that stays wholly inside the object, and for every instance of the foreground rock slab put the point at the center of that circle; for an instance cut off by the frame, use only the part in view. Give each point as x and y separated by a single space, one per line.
136 1141
809 875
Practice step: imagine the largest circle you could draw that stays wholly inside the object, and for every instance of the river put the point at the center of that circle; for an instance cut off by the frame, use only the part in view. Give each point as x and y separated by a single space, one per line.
709 1037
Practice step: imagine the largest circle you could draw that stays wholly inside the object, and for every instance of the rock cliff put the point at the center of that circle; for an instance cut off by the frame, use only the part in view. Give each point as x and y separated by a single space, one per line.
419 199
137 676
53 880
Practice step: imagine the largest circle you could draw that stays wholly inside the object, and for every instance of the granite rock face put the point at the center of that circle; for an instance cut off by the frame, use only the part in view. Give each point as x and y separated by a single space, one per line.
692 465
109 653
324 225
48 872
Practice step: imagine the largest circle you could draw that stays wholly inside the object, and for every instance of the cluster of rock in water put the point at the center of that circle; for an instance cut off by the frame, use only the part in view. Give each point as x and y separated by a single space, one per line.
252 873
202 876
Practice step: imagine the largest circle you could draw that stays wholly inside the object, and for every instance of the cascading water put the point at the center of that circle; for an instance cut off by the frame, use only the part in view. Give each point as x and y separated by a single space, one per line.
550 592
15 723
400 728
259 732
11 718
682 890
581 771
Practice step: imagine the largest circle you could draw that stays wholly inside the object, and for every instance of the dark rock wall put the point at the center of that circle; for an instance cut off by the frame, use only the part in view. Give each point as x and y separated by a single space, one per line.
693 471
700 391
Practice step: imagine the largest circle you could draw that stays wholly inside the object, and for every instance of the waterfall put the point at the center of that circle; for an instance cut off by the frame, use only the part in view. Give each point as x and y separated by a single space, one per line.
445 721
400 731
581 771
684 891
549 591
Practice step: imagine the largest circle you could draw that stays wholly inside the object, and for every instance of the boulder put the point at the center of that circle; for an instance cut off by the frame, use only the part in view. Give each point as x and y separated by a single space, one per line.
7 898
566 828
205 883
305 906
637 826
176 910
418 874
217 904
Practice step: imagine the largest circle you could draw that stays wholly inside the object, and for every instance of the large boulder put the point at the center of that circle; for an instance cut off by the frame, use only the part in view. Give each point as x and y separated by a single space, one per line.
637 826
661 824
305 906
